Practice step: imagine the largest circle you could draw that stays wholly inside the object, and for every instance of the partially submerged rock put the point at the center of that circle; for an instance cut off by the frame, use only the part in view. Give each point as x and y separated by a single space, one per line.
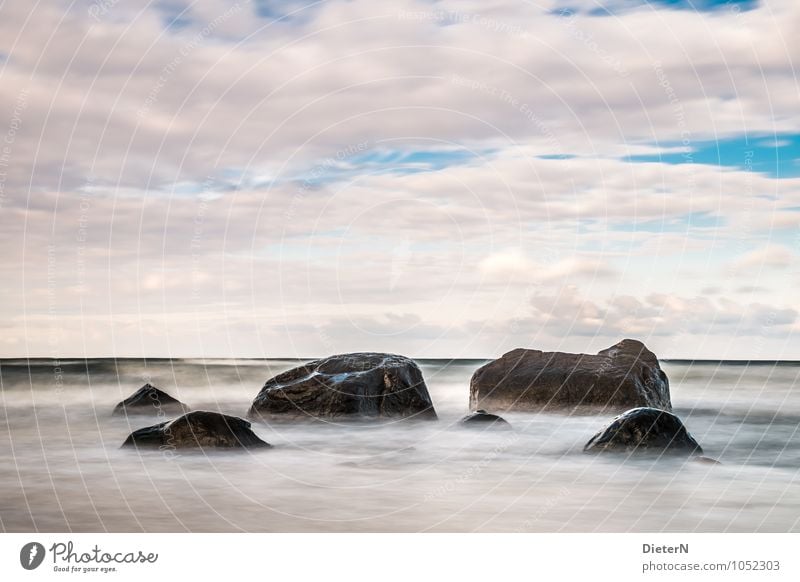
623 376
150 400
199 429
645 430
483 419
359 385
705 460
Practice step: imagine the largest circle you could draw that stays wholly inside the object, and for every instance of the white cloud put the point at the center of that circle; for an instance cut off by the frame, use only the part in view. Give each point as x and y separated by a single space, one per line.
770 256
514 263
129 102
125 123
508 263
658 314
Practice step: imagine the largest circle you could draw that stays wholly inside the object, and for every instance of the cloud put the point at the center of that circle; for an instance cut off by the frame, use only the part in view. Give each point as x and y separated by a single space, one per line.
508 263
513 263
658 314
121 98
584 268
750 289
775 143
770 256
253 168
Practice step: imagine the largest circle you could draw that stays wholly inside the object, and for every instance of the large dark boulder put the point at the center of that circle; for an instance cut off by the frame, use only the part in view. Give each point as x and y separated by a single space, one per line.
150 400
199 429
645 430
621 377
360 385
483 419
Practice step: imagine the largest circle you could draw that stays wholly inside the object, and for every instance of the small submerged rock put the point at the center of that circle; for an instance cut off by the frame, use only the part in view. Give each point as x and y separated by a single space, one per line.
150 400
483 419
705 460
645 430
356 386
199 429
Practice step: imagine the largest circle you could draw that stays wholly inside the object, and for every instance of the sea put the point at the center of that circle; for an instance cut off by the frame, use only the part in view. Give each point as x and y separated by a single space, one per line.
63 469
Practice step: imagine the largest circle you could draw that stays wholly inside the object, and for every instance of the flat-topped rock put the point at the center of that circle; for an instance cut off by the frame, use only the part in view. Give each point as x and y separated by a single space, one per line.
362 385
198 429
150 400
623 376
645 430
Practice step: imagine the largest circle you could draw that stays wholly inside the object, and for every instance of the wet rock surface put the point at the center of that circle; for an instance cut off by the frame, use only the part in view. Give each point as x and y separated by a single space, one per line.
483 419
363 385
621 377
644 430
199 429
150 400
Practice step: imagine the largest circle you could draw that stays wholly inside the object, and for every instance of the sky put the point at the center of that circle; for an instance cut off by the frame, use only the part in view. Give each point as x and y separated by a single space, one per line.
431 178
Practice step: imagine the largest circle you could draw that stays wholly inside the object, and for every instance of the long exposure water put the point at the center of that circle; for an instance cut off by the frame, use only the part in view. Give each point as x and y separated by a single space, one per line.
63 469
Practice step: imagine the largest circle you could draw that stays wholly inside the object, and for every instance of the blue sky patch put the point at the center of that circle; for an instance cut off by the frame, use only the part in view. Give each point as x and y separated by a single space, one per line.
296 11
684 223
612 7
176 15
336 169
429 160
777 156
556 157
389 161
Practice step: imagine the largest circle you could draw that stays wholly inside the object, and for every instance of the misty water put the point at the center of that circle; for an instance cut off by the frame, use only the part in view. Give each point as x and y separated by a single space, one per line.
63 469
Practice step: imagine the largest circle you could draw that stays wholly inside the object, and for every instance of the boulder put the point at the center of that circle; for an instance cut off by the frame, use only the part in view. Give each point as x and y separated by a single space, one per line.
483 419
645 430
199 429
357 386
150 400
621 377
